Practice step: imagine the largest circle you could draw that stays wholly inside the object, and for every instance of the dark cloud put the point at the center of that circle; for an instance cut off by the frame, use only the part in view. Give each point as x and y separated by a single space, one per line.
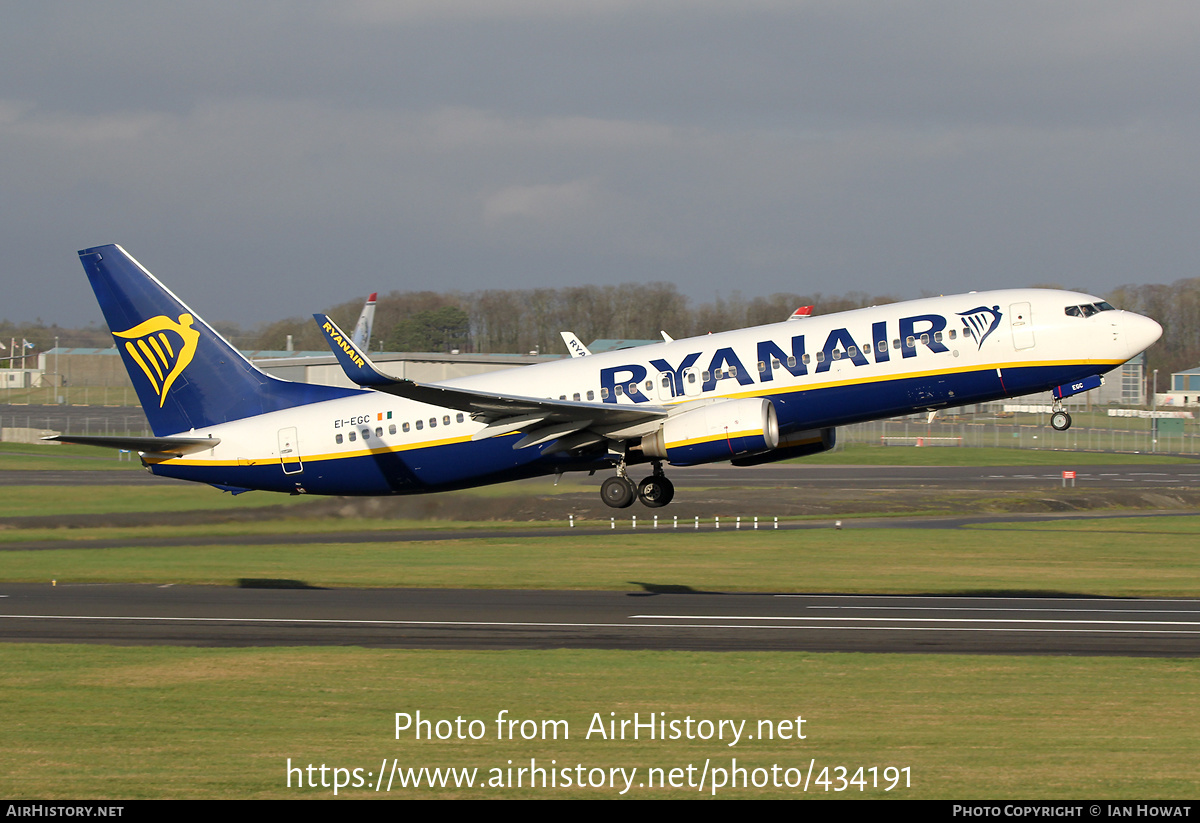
269 159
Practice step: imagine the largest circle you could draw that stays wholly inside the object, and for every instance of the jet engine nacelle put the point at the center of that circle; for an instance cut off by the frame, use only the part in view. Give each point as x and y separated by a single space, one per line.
721 431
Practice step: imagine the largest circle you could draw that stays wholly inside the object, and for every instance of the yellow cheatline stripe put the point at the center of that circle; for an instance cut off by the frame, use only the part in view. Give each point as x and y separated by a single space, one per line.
714 437
314 458
883 378
766 389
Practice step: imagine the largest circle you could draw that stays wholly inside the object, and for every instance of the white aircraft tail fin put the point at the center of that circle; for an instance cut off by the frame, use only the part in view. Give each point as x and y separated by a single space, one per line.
362 331
576 348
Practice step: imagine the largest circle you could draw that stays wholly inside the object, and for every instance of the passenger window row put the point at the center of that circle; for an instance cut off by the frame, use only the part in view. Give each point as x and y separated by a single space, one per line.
405 427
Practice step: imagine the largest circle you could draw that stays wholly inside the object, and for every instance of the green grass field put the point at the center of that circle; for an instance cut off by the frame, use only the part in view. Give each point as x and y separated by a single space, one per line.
1127 557
858 454
106 722
61 457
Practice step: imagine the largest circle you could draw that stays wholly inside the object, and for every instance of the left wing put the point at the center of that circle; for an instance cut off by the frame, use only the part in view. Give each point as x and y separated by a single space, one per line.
575 424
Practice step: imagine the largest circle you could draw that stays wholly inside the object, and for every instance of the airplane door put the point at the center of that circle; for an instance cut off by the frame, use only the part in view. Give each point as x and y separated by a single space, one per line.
1021 319
666 385
289 453
691 382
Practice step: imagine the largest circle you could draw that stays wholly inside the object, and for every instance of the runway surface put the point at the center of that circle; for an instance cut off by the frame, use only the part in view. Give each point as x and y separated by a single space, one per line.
697 621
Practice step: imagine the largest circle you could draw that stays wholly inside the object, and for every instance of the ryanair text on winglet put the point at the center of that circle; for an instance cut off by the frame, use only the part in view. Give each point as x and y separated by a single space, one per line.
346 347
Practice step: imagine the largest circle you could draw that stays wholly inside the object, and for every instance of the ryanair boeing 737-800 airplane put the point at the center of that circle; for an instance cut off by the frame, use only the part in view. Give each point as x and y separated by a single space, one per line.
748 396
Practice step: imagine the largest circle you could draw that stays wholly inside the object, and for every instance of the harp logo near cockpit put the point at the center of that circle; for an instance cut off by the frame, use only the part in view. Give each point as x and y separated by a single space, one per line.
162 348
982 321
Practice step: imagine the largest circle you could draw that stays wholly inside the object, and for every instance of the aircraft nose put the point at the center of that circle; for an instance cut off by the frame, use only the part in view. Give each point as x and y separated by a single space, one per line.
1141 332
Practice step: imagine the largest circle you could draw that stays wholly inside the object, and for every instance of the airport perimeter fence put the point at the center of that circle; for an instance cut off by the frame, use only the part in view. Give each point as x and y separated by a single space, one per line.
1089 432
116 421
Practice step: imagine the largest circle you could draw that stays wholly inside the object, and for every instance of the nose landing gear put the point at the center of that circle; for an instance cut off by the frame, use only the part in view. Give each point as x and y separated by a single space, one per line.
1060 421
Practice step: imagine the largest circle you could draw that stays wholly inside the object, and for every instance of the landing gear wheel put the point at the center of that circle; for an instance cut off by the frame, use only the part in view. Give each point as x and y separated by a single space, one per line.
618 492
656 491
1060 421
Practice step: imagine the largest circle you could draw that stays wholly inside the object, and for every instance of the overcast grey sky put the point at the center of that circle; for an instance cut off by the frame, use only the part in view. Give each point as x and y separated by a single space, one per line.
268 159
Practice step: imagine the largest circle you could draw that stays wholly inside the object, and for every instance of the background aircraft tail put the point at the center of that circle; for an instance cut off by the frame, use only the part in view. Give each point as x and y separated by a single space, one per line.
362 331
186 375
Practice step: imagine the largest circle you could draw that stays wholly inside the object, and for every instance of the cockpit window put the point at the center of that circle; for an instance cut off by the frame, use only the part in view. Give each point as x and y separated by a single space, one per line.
1087 309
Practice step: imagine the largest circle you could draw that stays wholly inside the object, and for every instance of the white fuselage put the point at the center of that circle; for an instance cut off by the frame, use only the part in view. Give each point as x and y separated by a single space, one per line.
821 371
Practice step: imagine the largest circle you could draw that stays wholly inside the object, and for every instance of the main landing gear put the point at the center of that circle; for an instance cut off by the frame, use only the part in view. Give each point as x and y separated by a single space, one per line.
655 491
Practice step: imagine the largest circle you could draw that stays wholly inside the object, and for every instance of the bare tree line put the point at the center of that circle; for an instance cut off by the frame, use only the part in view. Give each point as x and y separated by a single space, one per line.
521 320
1177 308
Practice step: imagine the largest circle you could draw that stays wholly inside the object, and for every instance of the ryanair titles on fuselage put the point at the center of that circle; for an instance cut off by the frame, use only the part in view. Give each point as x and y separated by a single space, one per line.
922 329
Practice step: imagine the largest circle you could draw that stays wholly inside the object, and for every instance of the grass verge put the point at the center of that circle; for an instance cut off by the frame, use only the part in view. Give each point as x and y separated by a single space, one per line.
125 723
1130 557
857 454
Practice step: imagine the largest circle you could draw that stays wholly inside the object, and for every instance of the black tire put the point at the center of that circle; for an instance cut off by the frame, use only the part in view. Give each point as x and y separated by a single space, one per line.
656 492
617 492
1060 421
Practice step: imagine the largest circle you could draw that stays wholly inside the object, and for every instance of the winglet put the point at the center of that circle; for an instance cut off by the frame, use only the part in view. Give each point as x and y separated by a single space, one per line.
357 366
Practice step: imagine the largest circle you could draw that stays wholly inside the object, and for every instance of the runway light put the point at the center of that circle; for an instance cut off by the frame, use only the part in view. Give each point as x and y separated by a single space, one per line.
837 524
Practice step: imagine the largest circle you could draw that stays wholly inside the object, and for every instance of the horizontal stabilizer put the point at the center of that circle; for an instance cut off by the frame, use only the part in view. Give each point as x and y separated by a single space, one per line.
150 445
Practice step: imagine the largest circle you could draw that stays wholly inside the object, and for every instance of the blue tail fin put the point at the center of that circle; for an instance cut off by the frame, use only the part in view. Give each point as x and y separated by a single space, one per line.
186 375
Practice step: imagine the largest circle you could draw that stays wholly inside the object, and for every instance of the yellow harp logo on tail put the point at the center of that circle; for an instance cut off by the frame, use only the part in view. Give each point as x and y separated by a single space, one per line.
162 348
